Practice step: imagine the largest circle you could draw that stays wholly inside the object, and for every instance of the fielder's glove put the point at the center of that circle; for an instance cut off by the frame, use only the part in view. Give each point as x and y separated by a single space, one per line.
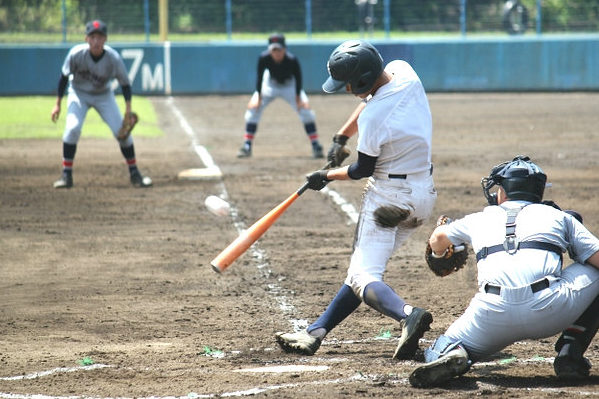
453 259
317 180
338 152
129 122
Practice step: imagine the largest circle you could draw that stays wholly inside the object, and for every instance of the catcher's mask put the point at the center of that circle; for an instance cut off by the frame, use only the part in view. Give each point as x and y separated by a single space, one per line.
520 178
354 62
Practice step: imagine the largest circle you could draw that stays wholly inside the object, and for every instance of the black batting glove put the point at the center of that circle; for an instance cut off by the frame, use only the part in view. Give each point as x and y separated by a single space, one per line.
337 153
317 180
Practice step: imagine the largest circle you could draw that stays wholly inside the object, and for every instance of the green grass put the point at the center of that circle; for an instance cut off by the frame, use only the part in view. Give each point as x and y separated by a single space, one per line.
29 118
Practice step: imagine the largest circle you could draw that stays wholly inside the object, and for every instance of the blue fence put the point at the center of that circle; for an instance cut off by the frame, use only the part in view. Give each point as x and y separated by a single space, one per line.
513 64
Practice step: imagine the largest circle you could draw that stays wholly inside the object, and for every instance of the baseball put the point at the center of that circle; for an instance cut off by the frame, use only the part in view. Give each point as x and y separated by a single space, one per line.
217 205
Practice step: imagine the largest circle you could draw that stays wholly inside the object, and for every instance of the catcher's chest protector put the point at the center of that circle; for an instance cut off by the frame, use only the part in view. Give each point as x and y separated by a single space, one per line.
511 244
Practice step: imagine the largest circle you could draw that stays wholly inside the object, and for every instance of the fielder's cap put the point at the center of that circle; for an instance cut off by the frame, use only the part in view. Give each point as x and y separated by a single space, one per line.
276 40
95 26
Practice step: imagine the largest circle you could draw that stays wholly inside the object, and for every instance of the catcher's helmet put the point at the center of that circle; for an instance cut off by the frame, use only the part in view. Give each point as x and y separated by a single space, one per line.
355 62
520 178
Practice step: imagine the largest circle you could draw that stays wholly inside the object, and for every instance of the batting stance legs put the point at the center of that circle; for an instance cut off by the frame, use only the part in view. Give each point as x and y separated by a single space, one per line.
78 104
373 247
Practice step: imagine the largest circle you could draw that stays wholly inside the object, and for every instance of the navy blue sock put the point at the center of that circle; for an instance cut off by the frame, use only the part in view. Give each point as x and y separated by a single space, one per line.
344 304
68 155
383 299
129 154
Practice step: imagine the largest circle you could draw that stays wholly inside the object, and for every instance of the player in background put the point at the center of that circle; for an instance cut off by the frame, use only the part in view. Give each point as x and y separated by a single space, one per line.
92 66
278 75
525 291
394 127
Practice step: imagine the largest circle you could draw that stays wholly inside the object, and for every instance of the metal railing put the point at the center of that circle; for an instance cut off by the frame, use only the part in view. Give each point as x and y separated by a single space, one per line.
159 20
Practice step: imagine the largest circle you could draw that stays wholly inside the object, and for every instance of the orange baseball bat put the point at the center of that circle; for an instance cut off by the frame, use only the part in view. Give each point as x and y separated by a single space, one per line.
253 233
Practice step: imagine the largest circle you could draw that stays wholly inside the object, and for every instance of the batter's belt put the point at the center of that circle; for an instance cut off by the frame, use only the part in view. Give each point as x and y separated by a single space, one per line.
401 176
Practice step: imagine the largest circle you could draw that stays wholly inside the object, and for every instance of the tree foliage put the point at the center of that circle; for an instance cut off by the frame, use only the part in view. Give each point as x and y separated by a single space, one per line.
287 15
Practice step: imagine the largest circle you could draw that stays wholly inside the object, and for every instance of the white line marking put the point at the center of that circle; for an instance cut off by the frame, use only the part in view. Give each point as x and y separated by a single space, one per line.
54 371
345 206
293 368
200 150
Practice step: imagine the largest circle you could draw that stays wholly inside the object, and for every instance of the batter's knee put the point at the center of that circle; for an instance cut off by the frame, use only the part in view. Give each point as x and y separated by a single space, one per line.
359 281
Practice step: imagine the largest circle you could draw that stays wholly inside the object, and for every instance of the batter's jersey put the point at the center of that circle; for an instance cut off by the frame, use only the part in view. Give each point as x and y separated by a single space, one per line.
94 76
535 222
280 72
396 124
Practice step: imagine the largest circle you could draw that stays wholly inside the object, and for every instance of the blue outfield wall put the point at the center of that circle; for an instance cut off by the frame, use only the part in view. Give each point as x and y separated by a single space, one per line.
537 63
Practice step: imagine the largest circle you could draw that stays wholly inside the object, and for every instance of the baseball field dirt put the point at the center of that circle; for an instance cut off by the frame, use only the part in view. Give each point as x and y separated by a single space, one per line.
106 291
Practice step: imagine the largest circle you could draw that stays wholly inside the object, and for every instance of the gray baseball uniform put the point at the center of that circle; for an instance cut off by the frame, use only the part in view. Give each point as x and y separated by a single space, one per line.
91 68
90 87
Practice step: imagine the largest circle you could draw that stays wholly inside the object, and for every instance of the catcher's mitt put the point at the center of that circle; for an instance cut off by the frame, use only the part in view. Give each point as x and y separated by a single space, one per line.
129 122
452 260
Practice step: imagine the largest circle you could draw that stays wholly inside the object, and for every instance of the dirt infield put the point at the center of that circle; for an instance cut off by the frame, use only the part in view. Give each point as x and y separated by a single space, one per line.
107 292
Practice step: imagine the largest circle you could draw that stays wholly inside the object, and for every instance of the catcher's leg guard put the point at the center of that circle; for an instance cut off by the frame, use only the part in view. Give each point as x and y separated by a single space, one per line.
445 359
442 345
574 341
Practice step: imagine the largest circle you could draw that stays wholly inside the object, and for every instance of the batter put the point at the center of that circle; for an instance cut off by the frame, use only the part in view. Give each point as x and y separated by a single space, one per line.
91 67
278 75
525 292
394 127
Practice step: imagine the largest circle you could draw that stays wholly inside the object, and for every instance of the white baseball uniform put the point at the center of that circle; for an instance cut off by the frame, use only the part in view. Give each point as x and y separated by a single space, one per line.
511 311
396 127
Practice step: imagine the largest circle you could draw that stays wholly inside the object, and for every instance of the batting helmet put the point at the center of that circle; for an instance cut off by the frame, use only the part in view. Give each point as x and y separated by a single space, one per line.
520 178
354 62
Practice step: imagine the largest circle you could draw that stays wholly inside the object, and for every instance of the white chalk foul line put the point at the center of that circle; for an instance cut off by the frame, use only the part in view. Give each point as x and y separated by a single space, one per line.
200 150
54 371
345 206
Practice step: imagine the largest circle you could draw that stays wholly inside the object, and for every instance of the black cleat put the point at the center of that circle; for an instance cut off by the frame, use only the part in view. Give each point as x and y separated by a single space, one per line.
137 180
412 329
300 342
570 364
65 181
244 152
317 151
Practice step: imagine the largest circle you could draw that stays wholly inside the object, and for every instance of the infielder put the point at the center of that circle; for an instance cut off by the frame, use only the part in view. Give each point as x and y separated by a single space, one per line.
92 67
394 128
525 292
279 75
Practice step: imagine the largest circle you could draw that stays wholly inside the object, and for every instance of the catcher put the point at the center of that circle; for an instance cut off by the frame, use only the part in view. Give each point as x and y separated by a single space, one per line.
525 292
93 66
